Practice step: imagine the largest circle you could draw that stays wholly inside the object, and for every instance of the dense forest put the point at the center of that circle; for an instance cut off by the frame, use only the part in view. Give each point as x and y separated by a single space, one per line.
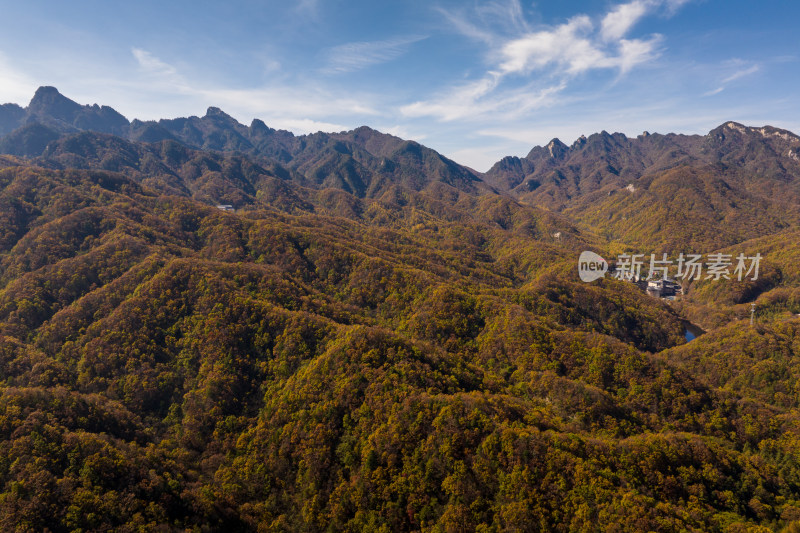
379 339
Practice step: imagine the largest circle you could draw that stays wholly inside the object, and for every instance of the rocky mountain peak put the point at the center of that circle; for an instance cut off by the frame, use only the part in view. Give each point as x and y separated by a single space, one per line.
47 100
216 112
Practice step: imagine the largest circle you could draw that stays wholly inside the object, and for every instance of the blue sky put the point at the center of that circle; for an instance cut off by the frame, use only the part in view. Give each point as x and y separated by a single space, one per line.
474 80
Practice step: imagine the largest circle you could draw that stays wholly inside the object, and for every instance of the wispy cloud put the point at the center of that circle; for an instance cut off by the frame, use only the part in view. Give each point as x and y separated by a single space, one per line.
350 57
742 73
150 64
477 99
465 27
741 69
508 14
488 22
527 68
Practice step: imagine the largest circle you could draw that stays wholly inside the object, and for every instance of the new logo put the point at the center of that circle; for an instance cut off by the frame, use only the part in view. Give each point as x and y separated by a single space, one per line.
591 266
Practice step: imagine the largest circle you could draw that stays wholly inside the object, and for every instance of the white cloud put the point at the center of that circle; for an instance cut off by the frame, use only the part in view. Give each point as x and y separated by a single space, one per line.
356 56
636 51
150 64
621 19
563 45
573 48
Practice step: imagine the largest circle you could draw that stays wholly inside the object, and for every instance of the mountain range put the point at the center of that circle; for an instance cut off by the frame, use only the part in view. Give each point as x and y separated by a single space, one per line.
381 339
735 183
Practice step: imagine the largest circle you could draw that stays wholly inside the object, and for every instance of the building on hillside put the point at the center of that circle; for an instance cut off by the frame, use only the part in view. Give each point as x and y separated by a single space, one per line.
663 288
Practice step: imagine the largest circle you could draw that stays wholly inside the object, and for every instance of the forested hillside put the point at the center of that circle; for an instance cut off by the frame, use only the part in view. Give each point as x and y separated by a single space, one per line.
379 339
